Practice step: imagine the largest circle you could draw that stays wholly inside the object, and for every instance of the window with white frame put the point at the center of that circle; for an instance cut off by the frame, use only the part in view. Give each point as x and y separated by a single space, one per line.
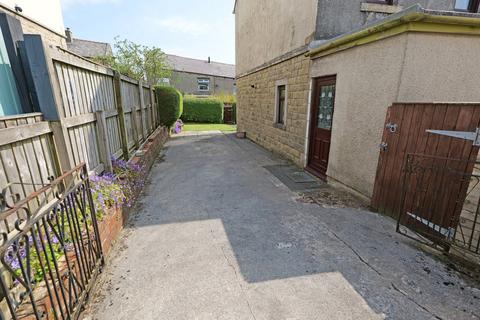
203 84
281 103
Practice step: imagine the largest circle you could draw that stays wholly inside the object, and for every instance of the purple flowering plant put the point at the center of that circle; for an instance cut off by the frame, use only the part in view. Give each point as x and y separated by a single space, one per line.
109 190
130 176
16 254
117 188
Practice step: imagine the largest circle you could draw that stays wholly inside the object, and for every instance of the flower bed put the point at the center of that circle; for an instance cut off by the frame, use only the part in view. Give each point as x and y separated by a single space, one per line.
114 194
115 206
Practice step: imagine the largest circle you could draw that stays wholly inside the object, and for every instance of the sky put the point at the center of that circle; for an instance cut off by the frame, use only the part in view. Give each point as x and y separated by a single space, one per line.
190 28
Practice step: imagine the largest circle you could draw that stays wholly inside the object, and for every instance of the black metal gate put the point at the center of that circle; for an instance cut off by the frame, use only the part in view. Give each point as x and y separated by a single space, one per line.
440 202
50 250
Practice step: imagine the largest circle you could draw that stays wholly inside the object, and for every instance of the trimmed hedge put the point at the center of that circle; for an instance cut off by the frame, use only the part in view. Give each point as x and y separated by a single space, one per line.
170 105
207 110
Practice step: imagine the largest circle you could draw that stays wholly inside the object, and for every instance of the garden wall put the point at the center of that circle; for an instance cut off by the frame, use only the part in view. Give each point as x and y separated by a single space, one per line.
114 221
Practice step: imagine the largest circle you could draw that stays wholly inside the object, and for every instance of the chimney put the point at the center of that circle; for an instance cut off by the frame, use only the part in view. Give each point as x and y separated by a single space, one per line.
69 35
209 60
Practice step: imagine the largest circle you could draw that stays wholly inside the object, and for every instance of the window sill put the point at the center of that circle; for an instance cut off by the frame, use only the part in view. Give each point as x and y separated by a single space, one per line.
280 126
380 8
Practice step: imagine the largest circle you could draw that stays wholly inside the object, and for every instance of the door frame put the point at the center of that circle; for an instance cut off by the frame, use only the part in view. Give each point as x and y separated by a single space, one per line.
327 79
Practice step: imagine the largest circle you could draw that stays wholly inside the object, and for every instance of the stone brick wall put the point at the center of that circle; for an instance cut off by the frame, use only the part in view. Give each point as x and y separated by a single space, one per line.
256 107
30 26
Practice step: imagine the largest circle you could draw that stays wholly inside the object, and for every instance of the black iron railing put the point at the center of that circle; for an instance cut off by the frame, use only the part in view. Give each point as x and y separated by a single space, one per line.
50 255
441 201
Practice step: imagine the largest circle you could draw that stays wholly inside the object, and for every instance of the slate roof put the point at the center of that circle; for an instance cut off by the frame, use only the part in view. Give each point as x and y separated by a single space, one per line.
89 49
213 68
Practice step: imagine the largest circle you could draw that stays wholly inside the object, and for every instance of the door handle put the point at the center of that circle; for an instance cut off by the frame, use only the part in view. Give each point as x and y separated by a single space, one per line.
383 146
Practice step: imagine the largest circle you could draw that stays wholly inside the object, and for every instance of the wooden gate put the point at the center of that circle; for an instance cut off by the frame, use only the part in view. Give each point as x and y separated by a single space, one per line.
405 133
228 114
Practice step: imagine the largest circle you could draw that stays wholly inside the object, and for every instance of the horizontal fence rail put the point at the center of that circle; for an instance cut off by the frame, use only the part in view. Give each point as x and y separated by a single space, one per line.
52 256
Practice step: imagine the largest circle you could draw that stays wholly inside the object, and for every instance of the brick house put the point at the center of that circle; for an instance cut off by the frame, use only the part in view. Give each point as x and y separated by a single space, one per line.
315 77
201 77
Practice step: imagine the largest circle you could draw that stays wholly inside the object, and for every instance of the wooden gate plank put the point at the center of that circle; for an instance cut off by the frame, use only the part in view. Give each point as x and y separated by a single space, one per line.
379 176
396 116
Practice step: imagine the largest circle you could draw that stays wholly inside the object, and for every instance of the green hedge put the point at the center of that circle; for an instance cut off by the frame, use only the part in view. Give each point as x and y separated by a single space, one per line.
170 105
206 110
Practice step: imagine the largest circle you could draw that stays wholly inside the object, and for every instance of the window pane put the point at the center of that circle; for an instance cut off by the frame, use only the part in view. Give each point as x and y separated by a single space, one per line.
281 104
462 4
325 107
9 99
203 84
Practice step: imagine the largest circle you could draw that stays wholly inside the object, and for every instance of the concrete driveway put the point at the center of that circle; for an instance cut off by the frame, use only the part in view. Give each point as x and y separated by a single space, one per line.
216 236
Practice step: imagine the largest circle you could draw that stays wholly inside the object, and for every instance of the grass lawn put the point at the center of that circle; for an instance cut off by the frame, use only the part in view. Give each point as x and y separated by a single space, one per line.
209 127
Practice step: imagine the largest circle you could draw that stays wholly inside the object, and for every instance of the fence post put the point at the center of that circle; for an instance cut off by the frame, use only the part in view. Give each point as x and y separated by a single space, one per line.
104 145
117 80
53 105
64 155
154 109
135 126
142 106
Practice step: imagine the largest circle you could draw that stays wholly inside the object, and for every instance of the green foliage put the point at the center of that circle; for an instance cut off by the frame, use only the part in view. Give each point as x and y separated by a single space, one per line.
137 61
170 104
209 110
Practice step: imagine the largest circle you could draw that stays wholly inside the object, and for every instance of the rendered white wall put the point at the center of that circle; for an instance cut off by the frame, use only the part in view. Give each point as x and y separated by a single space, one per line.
46 12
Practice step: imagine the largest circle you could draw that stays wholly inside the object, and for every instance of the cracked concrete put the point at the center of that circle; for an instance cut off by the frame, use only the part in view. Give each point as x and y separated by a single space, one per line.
216 236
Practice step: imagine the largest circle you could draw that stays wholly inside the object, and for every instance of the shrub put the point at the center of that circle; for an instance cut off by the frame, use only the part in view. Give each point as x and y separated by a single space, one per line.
170 105
226 98
207 110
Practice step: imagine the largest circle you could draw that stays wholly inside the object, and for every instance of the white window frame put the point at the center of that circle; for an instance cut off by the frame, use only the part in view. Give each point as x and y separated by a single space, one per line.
278 84
201 82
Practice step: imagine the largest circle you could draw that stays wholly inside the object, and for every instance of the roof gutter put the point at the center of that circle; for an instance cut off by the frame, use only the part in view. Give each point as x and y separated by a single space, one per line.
414 13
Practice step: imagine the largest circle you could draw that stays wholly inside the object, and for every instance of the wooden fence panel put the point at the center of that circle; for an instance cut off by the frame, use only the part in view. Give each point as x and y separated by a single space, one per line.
27 157
85 92
131 108
97 115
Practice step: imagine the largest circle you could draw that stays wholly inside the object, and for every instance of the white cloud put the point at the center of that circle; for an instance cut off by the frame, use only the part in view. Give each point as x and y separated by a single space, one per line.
66 4
182 25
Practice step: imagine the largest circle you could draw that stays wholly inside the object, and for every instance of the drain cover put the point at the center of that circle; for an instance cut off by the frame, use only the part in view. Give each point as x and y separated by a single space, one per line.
300 177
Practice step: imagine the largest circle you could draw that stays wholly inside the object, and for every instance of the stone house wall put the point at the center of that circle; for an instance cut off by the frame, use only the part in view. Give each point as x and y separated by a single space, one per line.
256 107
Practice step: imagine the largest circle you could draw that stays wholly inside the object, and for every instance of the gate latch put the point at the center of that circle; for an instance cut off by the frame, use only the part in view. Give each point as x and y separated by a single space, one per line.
392 127
383 146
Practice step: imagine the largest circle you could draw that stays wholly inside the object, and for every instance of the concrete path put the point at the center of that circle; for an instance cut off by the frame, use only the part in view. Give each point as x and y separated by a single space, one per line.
216 236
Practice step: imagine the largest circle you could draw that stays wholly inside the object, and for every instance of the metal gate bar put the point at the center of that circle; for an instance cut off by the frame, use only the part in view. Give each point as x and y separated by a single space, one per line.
50 256
440 202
